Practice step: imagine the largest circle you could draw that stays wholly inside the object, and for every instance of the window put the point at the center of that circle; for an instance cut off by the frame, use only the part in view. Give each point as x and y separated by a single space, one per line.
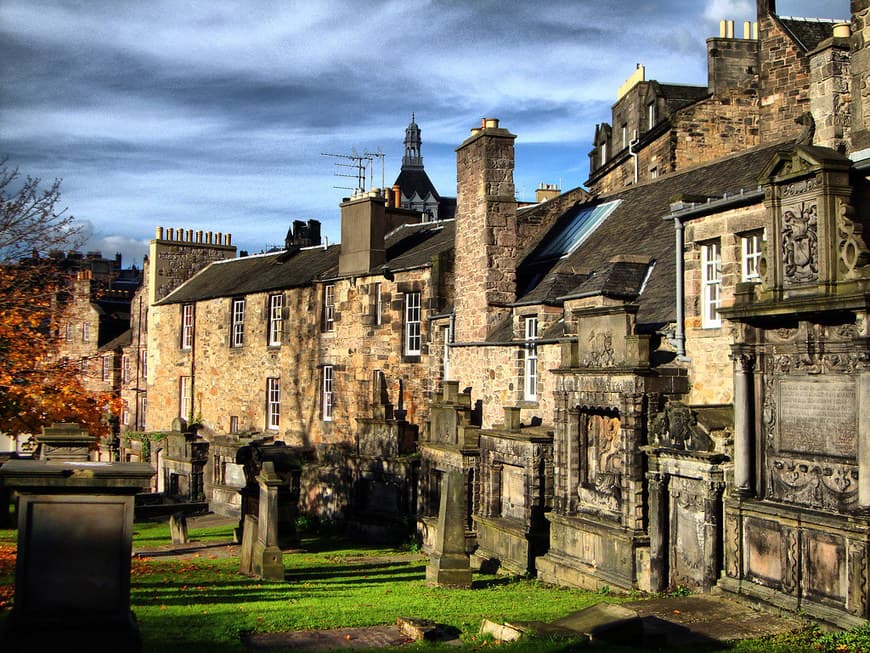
379 304
602 153
143 407
413 337
86 331
184 396
237 323
69 333
125 414
276 319
143 363
187 326
234 423
624 135
106 368
84 366
329 307
273 403
651 115
750 247
125 369
530 364
711 282
327 393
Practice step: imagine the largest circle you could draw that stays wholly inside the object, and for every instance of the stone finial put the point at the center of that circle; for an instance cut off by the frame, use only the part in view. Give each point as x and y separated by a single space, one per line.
809 128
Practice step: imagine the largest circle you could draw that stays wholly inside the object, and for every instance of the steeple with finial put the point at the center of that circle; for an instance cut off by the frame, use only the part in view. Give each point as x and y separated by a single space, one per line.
412 158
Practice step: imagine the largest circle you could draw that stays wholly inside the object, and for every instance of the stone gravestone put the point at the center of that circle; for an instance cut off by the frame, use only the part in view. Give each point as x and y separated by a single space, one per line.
72 577
65 441
178 528
267 559
449 565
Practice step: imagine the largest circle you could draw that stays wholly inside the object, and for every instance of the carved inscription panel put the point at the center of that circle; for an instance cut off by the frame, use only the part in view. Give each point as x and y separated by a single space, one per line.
818 417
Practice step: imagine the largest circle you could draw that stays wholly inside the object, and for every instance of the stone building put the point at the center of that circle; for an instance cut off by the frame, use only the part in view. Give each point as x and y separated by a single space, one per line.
417 191
651 384
758 84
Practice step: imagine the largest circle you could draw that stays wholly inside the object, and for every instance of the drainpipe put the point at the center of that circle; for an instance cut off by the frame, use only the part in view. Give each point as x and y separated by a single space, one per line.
679 340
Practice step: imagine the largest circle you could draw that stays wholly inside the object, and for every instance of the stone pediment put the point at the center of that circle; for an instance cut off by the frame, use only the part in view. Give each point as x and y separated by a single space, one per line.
800 160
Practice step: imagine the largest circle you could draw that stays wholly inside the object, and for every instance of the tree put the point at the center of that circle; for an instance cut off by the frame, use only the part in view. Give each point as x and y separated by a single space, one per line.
38 387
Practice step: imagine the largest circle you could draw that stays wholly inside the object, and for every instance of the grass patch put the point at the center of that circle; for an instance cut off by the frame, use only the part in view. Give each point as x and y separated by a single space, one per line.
203 604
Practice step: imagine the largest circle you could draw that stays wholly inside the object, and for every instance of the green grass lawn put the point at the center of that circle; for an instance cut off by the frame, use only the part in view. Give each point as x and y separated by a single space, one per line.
204 604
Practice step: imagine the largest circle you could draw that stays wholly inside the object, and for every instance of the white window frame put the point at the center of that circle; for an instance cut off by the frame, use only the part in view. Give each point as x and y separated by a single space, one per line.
105 367
379 304
184 397
273 403
234 423
413 323
125 413
327 392
143 364
711 284
86 331
69 332
143 410
237 322
125 368
750 255
187 326
329 307
276 320
651 115
530 359
602 152
83 366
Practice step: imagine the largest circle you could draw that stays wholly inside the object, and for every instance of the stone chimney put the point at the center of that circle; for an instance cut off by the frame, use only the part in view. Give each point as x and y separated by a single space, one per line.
362 233
860 70
486 230
765 8
830 89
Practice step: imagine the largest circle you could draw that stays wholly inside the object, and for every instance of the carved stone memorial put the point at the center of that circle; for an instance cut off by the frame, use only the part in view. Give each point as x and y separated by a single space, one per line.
796 529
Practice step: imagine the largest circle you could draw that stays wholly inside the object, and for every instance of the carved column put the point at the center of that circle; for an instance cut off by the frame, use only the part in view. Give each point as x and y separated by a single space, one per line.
744 360
713 532
572 435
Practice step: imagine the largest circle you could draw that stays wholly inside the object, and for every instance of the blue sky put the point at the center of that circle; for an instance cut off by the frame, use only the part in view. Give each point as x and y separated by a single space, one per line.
214 114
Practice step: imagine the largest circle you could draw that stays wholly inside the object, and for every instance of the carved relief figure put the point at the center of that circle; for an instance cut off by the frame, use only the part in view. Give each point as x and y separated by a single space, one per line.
800 243
600 483
600 352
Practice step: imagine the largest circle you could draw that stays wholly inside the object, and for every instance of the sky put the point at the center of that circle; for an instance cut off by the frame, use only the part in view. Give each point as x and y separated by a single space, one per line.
217 114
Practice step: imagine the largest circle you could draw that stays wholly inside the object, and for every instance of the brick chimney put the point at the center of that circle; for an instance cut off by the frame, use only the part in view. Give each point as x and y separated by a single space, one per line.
362 233
486 230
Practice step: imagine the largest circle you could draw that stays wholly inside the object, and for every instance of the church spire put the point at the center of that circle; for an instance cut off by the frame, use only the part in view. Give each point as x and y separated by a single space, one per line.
412 158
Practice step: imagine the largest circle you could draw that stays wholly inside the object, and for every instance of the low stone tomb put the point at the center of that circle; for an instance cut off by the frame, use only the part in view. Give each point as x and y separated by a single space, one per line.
72 577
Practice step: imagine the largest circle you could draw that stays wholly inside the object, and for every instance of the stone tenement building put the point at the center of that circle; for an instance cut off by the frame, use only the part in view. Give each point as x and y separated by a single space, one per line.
657 383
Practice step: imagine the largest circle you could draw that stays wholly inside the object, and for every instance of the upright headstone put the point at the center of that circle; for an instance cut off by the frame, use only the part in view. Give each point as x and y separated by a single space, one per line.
178 528
72 576
449 565
267 560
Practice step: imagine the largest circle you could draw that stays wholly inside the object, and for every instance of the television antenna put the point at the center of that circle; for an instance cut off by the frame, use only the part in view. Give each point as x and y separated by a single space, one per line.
360 164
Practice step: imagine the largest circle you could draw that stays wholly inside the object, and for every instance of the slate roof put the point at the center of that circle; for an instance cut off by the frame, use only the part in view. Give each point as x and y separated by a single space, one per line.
808 32
412 180
407 247
636 229
677 96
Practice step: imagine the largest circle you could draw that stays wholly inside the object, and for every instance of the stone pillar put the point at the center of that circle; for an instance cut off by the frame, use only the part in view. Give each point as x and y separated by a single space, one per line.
75 538
267 560
743 384
449 564
658 530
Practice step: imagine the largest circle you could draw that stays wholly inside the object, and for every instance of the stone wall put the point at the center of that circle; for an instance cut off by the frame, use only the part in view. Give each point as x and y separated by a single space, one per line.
785 81
724 124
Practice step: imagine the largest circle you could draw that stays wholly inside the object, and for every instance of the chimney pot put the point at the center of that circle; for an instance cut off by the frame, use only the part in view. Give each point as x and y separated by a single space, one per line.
842 30
491 123
159 234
